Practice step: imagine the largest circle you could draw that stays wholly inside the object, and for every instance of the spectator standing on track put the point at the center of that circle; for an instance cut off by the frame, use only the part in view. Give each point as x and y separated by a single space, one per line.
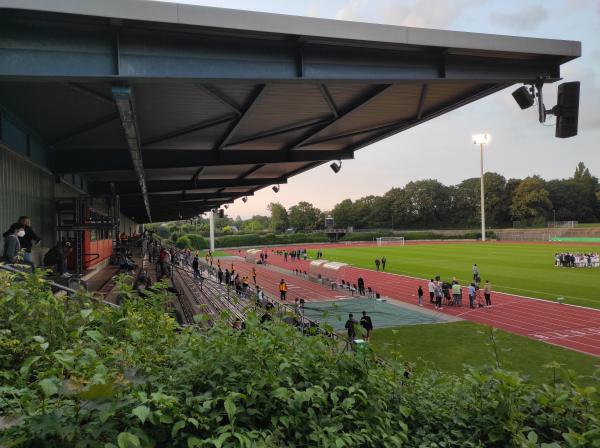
350 327
439 295
282 289
420 295
377 263
254 274
456 293
367 324
431 288
487 293
472 295
383 261
361 286
475 270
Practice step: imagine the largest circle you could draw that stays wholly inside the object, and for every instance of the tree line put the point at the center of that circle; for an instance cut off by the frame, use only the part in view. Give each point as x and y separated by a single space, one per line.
429 204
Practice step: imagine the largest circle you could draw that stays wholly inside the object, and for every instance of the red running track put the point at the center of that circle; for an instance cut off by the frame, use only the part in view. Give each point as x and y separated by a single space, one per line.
570 326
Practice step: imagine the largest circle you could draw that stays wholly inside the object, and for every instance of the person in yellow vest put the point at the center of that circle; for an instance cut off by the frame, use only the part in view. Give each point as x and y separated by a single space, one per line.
282 289
254 274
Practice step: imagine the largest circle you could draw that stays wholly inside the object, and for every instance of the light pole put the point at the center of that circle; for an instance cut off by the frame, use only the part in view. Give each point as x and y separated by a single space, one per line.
554 214
482 139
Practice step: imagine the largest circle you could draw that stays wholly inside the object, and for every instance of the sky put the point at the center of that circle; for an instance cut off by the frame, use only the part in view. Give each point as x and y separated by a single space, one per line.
442 148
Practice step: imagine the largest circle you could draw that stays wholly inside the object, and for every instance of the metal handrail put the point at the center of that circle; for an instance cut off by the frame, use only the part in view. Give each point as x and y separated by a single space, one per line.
64 288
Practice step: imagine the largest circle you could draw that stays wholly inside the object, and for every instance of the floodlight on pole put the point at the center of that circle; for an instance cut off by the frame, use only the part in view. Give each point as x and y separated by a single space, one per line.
482 139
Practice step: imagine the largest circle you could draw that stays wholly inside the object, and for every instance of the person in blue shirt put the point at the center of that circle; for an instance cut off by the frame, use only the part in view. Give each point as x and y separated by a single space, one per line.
472 295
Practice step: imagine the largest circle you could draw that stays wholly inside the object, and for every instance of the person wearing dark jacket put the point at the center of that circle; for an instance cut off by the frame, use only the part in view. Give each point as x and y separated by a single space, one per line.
12 244
27 241
56 257
367 324
350 327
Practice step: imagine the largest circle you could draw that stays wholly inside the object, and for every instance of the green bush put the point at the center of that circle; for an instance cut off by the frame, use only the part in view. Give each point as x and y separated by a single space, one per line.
183 242
76 373
197 242
364 236
79 374
254 239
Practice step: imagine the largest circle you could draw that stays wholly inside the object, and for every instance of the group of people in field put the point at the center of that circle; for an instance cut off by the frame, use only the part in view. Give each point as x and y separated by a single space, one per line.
576 260
450 293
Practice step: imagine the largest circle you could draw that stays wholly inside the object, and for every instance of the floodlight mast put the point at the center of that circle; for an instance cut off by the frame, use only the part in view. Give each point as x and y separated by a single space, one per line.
482 139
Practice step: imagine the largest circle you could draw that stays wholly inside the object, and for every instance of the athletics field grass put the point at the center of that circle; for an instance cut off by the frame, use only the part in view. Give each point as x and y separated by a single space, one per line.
449 347
522 269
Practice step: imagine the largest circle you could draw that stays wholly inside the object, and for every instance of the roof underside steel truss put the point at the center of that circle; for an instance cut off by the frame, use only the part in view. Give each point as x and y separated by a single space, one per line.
179 119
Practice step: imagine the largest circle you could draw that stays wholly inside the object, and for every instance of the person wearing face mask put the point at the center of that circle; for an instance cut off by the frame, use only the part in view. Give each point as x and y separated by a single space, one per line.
12 246
28 240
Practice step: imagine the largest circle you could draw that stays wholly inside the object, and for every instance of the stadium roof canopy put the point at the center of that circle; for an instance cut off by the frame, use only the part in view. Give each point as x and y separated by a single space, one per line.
180 108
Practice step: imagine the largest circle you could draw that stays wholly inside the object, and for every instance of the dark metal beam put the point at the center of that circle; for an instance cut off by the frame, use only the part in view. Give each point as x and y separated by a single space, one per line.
189 129
221 97
98 160
182 197
89 92
445 108
378 91
126 106
422 99
329 100
279 131
164 186
84 129
260 92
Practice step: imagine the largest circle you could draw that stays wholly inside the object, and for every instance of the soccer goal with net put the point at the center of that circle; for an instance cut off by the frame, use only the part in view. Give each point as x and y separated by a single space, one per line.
390 240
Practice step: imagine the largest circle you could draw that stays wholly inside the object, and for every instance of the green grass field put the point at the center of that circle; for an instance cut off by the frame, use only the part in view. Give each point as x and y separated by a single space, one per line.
523 269
449 346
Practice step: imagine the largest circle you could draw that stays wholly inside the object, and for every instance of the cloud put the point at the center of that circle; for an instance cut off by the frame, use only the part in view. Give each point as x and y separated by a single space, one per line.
524 20
414 13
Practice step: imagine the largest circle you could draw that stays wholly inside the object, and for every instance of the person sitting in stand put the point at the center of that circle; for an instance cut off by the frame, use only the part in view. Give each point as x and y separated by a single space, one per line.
56 257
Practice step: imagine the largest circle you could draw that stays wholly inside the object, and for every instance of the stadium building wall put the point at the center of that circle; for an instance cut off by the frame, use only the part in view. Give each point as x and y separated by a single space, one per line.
28 186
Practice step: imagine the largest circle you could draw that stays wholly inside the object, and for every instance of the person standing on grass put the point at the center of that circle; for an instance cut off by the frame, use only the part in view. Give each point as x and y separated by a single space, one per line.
475 271
456 293
350 327
487 293
472 295
282 290
367 324
377 262
420 295
431 288
383 261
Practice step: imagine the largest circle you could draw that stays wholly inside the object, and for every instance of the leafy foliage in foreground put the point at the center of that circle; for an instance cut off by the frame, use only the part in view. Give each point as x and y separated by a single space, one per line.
75 373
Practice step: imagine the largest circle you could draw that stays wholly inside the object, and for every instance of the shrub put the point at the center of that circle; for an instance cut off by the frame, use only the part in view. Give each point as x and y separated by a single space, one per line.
197 242
76 373
183 242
